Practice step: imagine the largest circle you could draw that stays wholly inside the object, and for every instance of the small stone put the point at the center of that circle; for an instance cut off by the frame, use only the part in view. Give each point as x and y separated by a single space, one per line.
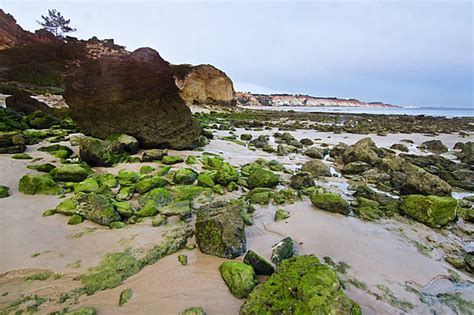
75 219
281 215
4 191
183 259
117 225
172 159
259 263
125 296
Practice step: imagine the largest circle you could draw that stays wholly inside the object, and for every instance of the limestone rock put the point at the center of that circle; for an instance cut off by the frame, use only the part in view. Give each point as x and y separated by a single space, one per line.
203 85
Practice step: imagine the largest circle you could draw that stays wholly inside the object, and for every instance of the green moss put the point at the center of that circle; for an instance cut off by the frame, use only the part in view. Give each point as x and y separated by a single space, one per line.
369 213
148 210
106 179
285 196
172 159
260 195
193 311
226 173
44 168
125 193
146 169
185 176
191 160
22 156
239 277
125 296
281 215
75 219
71 173
124 208
183 259
117 225
158 220
42 184
330 202
40 276
205 179
49 212
301 285
261 177
146 184
433 211
58 151
190 192
87 185
4 191
85 310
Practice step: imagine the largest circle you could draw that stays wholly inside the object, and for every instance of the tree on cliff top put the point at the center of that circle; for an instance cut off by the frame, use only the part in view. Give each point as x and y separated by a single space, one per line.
56 23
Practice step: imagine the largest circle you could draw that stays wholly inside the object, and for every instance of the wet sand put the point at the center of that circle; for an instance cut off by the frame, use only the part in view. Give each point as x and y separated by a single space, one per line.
381 253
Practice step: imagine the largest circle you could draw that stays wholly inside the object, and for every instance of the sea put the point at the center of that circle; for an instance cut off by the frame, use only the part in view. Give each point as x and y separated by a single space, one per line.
427 111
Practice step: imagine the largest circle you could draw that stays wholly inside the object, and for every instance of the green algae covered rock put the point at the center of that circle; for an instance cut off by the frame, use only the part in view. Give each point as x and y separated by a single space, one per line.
171 159
193 311
146 169
283 250
70 173
87 185
125 193
42 184
433 211
330 202
95 153
260 196
75 219
146 184
226 173
117 225
180 208
57 150
125 296
259 263
220 230
4 191
205 179
124 208
302 180
123 143
44 168
185 176
191 192
91 206
159 196
22 156
262 177
239 277
49 212
316 168
281 215
183 259
301 285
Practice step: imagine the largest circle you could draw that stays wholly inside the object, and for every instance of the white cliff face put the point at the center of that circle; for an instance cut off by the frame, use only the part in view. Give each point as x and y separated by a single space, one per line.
248 99
204 85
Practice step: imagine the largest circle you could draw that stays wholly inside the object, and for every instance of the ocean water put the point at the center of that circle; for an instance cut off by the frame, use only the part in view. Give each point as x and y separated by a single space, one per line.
428 111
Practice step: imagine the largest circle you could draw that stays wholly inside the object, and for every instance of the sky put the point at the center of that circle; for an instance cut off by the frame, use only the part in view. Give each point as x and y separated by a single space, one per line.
411 53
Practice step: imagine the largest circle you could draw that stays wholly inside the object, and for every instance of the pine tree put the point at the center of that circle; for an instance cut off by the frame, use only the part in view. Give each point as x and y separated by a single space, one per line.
56 23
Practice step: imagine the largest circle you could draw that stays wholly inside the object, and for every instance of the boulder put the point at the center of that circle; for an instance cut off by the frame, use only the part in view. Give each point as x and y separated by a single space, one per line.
12 142
239 277
70 173
22 102
363 150
330 202
433 211
435 146
259 263
419 181
316 168
134 94
282 250
122 143
41 184
356 167
261 177
301 285
220 230
95 153
301 180
203 85
314 153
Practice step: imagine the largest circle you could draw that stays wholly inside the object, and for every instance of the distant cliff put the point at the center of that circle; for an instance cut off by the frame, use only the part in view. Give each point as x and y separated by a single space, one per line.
249 99
203 85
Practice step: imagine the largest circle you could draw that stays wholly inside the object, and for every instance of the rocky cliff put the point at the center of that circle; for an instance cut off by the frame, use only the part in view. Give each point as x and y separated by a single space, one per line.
249 99
11 34
203 85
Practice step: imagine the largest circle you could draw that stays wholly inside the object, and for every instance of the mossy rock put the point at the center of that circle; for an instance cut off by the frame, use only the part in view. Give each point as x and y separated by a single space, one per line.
42 120
70 173
117 225
239 277
126 177
369 213
205 179
316 168
318 288
44 168
262 177
171 159
22 156
4 191
87 185
106 179
302 180
57 150
185 176
125 296
220 230
42 184
95 153
125 193
191 192
433 211
330 202
226 173
159 196
86 310
191 160
146 184
124 208
281 215
180 208
183 259
49 212
153 155
75 219
158 220
283 250
285 196
260 196
121 143
193 311
259 263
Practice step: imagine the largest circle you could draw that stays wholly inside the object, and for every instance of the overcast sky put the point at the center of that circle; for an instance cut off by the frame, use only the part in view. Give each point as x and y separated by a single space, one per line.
416 53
